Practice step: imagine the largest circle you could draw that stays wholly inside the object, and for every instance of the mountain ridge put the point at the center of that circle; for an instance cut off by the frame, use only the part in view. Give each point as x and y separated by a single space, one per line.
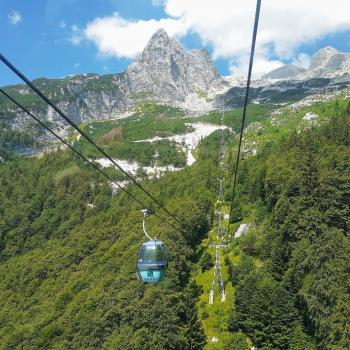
327 62
167 73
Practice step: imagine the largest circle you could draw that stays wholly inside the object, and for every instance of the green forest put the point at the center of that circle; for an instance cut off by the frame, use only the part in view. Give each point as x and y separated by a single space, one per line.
68 246
297 197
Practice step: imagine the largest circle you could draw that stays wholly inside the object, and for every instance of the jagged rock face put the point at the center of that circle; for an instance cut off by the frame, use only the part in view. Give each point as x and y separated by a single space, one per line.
95 98
201 72
82 97
287 71
160 69
167 72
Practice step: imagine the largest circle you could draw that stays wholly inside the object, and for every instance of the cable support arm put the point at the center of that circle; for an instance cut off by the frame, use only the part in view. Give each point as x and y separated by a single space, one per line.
145 214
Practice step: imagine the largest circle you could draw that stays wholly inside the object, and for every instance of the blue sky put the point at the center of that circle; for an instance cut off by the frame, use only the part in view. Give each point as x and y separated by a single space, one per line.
40 46
48 37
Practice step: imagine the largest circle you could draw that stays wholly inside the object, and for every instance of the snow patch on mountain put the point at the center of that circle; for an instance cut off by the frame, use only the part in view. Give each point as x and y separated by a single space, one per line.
190 140
133 167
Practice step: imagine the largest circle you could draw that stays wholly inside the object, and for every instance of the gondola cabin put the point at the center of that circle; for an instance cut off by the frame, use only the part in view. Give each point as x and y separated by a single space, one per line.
151 262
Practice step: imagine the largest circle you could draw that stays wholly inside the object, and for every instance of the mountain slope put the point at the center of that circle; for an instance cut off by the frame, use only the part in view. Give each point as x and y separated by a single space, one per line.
68 259
292 267
329 62
165 73
68 247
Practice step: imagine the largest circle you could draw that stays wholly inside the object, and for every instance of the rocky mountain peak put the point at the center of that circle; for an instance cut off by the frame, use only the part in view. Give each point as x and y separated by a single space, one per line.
166 71
160 41
322 57
160 33
328 50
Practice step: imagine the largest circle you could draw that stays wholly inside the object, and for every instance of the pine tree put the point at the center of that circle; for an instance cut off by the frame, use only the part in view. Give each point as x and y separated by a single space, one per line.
300 341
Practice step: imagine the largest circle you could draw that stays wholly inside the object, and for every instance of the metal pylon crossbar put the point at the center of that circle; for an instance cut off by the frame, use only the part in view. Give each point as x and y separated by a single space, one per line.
217 279
221 189
221 228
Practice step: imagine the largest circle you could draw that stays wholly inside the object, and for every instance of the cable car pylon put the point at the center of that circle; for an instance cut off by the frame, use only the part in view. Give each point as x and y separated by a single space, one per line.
217 280
221 189
221 229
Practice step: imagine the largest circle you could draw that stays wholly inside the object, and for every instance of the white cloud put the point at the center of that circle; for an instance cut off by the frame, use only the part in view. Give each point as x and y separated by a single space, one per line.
77 64
75 39
116 36
14 17
226 25
284 25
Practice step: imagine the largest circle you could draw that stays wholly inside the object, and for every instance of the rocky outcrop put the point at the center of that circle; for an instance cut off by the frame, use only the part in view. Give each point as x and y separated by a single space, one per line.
281 91
242 230
328 63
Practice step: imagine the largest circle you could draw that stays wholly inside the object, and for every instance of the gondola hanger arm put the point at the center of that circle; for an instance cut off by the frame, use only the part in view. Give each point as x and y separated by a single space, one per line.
145 214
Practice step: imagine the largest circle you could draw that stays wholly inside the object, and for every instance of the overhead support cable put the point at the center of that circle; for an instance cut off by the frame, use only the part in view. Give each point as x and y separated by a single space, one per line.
246 99
87 137
143 205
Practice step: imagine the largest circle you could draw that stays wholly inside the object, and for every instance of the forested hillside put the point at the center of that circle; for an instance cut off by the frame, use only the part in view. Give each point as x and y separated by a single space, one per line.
292 276
68 255
68 246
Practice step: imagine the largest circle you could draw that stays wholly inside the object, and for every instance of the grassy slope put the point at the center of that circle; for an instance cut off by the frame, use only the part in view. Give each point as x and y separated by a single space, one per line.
151 120
233 118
